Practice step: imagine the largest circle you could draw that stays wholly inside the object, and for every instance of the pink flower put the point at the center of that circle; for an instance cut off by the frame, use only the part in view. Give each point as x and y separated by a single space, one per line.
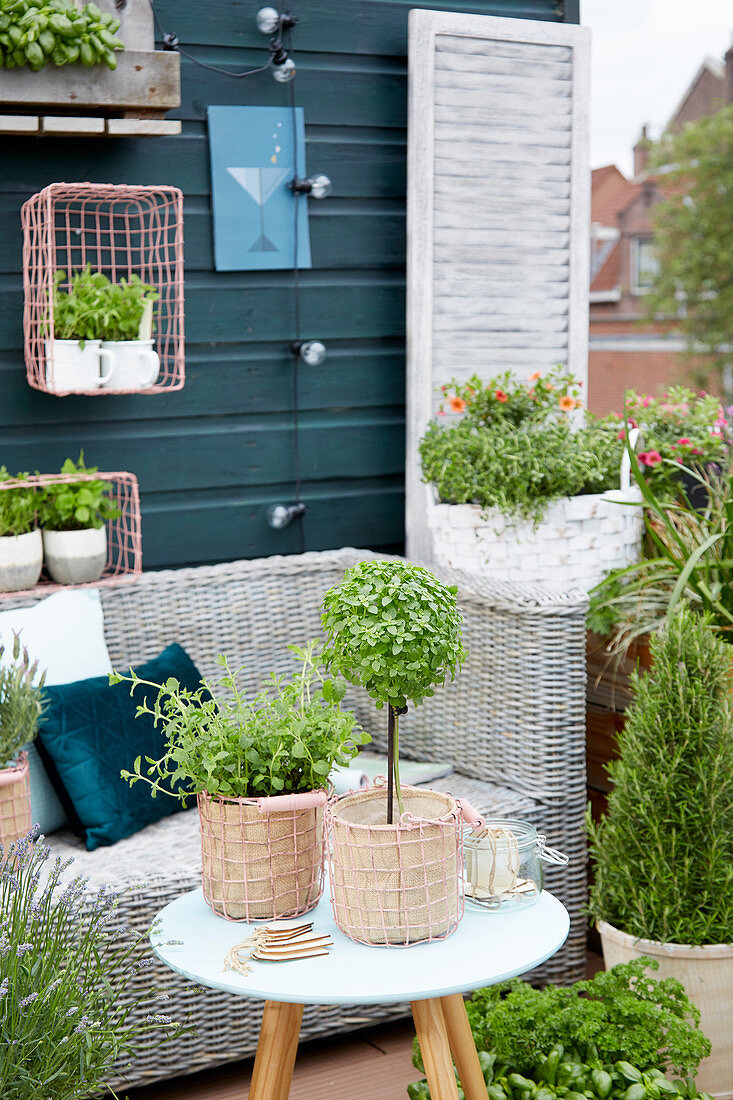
695 451
684 441
721 422
650 458
621 435
646 402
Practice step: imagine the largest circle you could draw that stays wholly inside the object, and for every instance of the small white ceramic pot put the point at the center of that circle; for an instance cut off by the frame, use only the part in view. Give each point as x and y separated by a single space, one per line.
71 367
21 559
75 557
136 365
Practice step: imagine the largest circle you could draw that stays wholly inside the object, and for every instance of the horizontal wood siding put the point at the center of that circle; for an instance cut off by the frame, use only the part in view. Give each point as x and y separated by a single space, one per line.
212 458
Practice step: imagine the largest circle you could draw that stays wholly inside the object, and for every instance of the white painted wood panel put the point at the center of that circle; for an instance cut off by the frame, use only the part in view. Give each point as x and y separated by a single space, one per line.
498 208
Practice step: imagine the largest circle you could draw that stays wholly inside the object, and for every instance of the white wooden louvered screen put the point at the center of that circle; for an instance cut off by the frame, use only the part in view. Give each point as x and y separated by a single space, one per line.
497 210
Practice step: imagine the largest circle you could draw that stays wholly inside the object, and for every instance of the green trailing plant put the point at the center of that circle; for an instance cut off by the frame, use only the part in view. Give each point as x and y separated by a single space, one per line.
516 447
75 506
611 1037
395 630
36 33
94 308
285 739
690 557
17 506
663 853
21 701
66 1011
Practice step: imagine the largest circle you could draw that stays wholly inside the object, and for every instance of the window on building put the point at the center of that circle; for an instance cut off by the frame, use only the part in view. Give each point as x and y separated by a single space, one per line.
644 264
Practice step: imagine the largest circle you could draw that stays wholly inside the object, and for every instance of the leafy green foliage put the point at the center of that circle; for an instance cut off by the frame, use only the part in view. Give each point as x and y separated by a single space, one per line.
596 1039
36 32
17 506
663 854
284 740
693 234
74 506
94 308
690 557
515 447
21 701
394 629
66 1002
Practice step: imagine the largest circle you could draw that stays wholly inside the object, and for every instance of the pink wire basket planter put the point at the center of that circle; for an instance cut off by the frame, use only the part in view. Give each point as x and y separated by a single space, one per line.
124 536
15 801
120 231
262 858
401 884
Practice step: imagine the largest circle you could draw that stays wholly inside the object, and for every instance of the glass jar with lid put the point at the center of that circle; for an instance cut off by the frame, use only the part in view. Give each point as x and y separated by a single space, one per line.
503 864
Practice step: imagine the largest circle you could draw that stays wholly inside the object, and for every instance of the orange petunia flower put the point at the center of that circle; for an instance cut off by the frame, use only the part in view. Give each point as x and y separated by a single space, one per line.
567 403
457 404
500 396
537 374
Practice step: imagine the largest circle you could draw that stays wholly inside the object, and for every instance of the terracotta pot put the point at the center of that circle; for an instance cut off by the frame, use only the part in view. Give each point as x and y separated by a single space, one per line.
75 557
21 560
707 975
15 801
262 858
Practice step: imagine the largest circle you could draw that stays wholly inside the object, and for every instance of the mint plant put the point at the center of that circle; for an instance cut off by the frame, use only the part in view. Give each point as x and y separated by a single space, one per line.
21 701
75 506
17 506
94 308
663 853
286 739
395 630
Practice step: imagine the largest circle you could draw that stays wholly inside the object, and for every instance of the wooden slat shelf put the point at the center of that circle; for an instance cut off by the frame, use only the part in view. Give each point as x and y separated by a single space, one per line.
82 126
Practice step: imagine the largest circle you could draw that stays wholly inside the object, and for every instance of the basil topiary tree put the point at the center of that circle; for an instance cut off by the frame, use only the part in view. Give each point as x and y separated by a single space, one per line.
395 630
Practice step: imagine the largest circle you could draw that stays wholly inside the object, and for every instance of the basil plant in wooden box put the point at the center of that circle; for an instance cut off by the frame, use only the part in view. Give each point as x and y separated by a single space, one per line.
395 630
259 767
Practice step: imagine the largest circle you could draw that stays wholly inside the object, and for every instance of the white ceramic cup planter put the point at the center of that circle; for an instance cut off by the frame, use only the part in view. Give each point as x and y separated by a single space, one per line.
75 557
135 365
577 541
21 560
707 975
71 367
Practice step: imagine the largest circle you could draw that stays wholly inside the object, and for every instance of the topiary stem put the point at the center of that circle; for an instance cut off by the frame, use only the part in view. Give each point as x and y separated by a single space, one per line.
396 761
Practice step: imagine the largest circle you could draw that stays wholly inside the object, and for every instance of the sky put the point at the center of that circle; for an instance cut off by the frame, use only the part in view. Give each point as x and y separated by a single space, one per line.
644 55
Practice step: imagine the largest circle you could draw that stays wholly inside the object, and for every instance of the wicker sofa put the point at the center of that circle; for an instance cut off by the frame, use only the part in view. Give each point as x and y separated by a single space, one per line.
513 724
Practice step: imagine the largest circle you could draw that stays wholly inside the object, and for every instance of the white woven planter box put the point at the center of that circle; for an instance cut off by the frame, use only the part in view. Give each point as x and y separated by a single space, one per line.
578 540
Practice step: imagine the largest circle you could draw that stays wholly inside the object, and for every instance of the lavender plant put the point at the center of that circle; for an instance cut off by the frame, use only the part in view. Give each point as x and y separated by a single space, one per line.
69 1011
21 702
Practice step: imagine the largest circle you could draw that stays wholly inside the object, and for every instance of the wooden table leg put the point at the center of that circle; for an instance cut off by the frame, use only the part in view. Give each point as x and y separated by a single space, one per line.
436 1056
276 1050
463 1047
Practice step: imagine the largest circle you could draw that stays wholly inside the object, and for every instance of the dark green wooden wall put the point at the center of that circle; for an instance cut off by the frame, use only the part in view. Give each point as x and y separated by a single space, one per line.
213 457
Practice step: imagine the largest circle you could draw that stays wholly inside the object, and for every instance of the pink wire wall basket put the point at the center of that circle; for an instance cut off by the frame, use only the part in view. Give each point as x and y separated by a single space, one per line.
124 536
15 801
262 858
120 231
400 884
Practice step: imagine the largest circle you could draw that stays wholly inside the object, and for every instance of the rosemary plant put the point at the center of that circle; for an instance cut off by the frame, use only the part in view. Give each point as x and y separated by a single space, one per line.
663 853
21 702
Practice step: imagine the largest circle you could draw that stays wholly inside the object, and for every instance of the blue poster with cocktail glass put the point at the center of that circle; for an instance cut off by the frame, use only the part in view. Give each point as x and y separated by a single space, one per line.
255 154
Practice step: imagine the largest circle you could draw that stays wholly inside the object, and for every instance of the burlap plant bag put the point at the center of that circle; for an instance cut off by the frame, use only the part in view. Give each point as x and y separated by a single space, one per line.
262 858
15 801
400 883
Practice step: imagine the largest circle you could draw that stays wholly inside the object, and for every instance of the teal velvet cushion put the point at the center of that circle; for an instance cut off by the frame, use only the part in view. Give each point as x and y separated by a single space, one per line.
90 732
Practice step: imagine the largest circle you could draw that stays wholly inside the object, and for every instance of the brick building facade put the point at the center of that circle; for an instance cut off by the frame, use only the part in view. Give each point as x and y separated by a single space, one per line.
626 351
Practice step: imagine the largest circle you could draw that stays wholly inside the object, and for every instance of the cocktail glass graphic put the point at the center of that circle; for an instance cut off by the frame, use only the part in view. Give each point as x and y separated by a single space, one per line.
259 183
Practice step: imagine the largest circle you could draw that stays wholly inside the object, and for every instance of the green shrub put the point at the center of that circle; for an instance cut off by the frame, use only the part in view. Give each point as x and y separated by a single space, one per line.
663 854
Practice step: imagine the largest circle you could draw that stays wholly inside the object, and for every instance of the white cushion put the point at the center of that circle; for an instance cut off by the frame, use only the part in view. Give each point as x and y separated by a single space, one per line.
65 633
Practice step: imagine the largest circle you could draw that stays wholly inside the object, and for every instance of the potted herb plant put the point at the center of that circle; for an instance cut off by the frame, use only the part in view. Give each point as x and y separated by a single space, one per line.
259 768
663 854
20 708
520 485
127 334
395 630
71 994
73 515
21 545
74 356
611 1037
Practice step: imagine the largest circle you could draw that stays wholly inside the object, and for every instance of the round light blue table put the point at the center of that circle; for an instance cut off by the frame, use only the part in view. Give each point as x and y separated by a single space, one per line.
486 948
